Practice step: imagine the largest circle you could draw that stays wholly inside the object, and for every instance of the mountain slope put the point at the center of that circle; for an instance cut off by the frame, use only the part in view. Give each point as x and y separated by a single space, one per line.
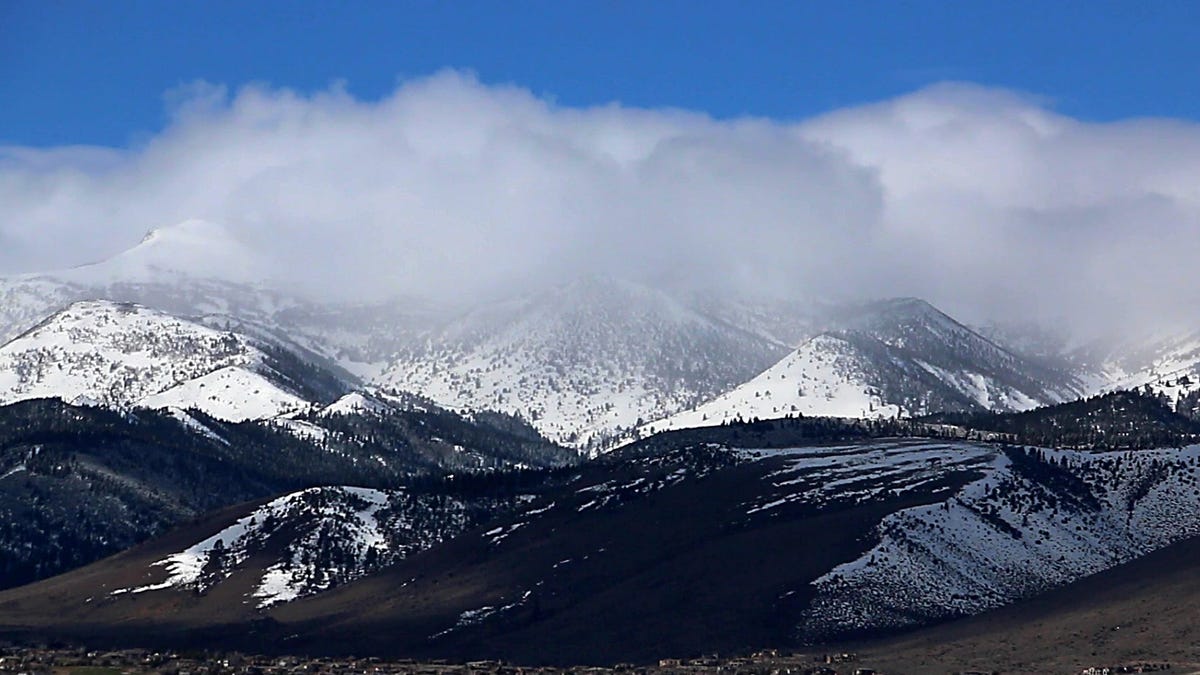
586 363
310 541
582 362
1115 421
1166 367
895 358
1037 519
79 483
193 258
197 269
1141 611
123 355
687 549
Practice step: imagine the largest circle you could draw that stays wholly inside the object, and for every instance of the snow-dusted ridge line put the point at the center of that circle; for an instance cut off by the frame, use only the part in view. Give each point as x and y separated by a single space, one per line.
349 511
821 378
290 579
586 363
1008 536
582 362
595 358
115 354
357 403
899 358
122 355
232 393
854 474
310 541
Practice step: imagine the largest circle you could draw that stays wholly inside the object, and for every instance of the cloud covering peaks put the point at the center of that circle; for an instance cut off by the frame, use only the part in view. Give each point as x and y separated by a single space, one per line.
984 201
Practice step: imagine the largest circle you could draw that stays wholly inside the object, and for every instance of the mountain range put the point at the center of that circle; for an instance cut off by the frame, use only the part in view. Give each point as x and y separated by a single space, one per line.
590 364
516 477
776 533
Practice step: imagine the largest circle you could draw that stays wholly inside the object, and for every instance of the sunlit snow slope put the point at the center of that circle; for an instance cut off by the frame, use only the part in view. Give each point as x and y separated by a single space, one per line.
584 361
124 355
895 358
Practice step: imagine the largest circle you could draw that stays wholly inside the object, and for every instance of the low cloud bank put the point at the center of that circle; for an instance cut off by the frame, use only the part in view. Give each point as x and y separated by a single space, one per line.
984 201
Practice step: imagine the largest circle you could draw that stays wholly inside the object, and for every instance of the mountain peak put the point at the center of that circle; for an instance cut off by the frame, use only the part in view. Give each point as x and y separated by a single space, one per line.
121 355
905 321
97 313
194 229
582 361
193 248
909 303
901 309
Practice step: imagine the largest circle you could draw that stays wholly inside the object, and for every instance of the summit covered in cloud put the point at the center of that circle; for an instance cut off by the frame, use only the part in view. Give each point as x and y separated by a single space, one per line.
986 202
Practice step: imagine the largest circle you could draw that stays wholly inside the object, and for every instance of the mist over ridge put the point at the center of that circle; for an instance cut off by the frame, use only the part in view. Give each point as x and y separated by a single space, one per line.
985 202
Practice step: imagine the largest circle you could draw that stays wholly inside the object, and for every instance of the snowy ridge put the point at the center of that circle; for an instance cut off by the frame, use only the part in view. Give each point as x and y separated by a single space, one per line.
346 513
1168 362
173 258
898 358
314 540
231 393
583 362
24 302
1000 524
197 268
189 249
1033 521
357 403
964 364
1168 367
123 355
825 376
358 533
587 363
855 474
113 354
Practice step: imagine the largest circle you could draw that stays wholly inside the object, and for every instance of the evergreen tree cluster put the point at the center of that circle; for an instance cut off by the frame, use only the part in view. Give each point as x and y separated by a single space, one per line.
80 483
1122 420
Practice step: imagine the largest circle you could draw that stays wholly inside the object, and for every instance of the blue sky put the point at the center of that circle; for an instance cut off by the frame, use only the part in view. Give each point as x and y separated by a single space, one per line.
470 150
96 72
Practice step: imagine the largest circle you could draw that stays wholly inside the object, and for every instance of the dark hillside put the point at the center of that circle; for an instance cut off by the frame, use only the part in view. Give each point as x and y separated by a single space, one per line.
1143 611
1121 420
81 483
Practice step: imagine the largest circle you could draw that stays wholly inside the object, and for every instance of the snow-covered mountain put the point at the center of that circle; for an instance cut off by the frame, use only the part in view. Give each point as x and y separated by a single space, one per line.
200 269
191 259
78 483
125 355
583 362
320 538
1165 364
588 362
192 249
892 358
1035 520
797 542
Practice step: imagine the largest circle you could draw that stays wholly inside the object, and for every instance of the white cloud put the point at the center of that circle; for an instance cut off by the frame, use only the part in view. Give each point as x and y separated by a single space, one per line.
1008 205
985 201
